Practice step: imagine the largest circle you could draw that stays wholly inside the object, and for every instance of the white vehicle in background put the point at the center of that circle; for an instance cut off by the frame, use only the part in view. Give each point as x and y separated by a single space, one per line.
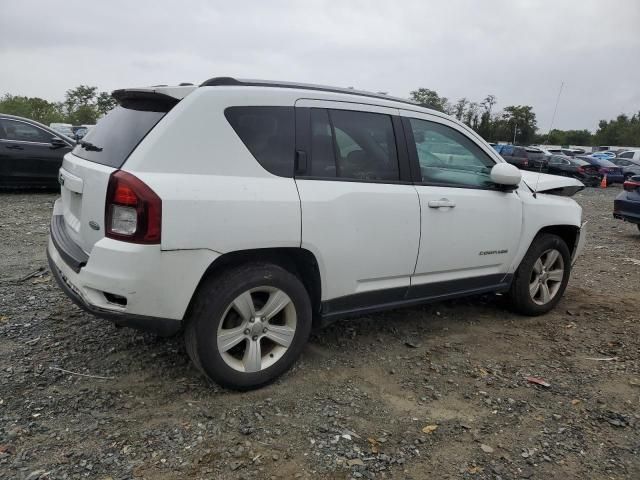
63 128
80 131
629 161
630 155
248 212
549 151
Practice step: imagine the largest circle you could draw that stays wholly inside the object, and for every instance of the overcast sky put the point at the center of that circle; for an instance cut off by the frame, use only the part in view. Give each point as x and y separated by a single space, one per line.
519 51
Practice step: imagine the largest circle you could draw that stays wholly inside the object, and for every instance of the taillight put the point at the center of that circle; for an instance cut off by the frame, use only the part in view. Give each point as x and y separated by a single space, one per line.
631 185
525 163
581 169
133 212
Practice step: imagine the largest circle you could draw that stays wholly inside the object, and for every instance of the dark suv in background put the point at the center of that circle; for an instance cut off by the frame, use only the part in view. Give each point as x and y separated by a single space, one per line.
525 158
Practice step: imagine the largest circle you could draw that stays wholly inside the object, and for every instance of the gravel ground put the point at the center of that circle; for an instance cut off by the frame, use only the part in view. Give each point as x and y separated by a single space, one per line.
432 392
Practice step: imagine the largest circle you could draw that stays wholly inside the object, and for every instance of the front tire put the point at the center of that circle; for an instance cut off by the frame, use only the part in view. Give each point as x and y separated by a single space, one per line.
542 276
248 325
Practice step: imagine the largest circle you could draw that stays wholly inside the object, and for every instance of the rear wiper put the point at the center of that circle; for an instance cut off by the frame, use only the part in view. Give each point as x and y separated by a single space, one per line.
89 146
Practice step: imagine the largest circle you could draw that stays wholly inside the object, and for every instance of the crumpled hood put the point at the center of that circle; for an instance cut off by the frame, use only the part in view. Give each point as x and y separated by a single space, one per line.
545 183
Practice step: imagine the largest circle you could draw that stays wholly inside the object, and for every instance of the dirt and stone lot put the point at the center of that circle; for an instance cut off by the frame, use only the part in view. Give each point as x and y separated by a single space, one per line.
438 391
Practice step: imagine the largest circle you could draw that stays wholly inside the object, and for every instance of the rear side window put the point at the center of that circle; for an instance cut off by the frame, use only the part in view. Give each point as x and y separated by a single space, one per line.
626 155
353 145
268 133
116 135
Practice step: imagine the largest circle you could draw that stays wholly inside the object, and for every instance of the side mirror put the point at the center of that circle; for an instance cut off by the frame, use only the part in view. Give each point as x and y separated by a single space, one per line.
506 175
57 142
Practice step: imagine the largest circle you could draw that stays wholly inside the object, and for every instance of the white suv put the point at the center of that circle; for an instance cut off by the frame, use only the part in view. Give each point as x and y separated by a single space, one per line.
251 211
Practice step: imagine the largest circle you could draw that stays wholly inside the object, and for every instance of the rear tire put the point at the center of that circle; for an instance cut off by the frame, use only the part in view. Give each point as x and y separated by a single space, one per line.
248 325
542 276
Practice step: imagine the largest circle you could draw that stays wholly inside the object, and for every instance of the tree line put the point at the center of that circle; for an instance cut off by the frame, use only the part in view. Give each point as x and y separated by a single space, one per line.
82 105
514 123
518 123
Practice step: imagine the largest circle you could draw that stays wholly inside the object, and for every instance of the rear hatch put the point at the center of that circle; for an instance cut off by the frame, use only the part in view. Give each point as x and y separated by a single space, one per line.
536 157
85 171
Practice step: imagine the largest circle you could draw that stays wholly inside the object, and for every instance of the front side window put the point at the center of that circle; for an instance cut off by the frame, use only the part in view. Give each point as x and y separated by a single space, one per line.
353 145
268 133
447 157
626 155
23 132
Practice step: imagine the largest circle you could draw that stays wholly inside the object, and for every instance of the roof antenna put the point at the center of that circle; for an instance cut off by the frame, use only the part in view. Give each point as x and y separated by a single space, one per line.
553 118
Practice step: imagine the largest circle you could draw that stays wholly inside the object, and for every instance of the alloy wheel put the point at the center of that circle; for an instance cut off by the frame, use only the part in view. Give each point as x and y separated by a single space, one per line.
546 277
257 329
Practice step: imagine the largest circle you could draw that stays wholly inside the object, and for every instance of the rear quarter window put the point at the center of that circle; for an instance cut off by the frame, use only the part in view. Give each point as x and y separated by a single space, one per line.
268 133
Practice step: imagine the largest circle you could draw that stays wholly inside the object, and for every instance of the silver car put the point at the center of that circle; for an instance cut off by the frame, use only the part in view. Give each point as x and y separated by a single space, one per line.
630 167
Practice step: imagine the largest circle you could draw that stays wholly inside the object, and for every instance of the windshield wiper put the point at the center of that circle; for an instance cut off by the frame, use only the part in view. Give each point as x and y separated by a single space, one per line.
89 146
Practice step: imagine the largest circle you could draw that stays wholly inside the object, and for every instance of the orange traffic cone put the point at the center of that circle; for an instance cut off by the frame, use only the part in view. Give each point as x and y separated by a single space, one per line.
603 183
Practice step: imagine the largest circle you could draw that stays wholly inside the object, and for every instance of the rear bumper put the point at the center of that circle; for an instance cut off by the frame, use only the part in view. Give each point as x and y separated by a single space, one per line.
162 326
615 178
135 285
70 252
626 210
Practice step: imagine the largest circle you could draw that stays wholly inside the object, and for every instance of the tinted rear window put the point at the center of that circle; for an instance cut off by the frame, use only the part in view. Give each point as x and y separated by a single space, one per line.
120 131
268 133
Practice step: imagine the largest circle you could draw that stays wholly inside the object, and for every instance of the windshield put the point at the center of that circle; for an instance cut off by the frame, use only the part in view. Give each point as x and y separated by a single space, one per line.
116 135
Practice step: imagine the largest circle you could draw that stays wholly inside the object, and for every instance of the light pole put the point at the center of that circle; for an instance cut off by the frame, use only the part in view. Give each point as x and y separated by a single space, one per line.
515 129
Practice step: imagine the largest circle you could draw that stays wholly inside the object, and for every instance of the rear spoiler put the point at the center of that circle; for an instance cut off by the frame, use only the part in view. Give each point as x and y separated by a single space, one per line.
146 100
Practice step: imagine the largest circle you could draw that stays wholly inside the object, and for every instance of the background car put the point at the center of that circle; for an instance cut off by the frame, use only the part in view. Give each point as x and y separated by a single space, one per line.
630 155
576 168
629 167
550 151
30 153
65 129
626 206
79 131
604 155
525 158
605 167
572 152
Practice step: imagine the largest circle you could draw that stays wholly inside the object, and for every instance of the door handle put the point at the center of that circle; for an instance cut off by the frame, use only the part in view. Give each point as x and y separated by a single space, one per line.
14 147
442 203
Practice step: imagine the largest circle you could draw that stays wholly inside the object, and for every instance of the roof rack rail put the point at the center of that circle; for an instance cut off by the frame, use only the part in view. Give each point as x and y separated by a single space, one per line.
230 81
